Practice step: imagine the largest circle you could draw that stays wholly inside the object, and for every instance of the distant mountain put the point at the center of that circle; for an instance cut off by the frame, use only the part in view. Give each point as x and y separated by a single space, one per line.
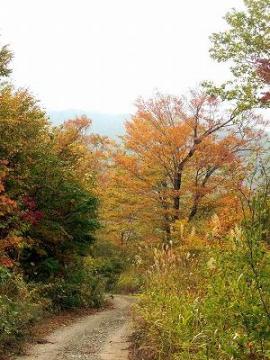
111 125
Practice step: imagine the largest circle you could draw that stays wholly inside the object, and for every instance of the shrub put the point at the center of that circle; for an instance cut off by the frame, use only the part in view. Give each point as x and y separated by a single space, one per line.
129 282
19 306
79 287
108 261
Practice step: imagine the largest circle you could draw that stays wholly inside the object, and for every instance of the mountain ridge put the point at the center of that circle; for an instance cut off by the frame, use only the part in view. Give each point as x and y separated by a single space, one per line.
107 124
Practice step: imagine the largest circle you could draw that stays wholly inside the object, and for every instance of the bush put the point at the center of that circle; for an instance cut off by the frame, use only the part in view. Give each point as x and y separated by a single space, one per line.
129 282
79 287
19 306
108 262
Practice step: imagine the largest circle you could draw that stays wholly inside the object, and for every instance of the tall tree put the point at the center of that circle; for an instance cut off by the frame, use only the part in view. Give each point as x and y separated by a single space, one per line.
47 181
181 153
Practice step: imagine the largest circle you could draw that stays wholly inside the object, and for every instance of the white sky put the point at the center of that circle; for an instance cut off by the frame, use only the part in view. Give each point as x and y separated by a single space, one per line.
99 55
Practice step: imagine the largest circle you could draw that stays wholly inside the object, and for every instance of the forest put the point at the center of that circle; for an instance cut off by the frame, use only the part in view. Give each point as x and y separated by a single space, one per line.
176 211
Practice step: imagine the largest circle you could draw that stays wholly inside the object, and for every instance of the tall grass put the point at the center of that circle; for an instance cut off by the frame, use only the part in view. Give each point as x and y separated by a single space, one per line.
212 303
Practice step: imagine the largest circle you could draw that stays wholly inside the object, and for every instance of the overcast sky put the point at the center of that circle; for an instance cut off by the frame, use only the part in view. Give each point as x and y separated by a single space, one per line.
99 55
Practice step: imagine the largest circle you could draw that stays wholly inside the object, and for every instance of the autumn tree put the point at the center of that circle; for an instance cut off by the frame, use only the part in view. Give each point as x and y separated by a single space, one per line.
85 152
182 154
48 201
129 210
62 186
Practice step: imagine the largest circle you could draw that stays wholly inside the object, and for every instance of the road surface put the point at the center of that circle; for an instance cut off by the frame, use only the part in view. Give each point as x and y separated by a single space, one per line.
102 336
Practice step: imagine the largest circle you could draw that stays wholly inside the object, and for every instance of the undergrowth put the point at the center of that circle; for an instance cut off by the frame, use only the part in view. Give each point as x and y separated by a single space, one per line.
210 303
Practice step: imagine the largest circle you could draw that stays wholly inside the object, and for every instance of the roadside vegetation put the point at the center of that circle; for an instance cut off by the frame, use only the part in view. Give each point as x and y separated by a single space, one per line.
49 180
191 184
206 294
210 302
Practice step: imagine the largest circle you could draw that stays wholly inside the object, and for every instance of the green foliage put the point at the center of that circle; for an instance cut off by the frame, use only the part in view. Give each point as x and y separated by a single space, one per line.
108 262
49 208
19 306
246 44
130 282
5 58
65 230
79 287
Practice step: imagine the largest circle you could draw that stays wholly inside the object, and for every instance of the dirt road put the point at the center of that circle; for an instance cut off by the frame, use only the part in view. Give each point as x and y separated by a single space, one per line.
102 336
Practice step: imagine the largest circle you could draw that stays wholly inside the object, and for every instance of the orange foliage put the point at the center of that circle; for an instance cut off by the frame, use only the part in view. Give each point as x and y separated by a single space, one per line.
87 153
179 160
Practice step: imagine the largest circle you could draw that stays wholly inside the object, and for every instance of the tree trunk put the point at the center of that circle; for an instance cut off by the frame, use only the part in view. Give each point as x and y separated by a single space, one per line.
194 208
176 200
167 220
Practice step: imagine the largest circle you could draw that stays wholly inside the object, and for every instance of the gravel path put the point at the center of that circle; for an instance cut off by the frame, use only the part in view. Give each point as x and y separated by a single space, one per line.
102 336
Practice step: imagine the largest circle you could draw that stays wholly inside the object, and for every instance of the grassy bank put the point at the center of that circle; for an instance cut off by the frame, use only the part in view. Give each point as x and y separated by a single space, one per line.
210 303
